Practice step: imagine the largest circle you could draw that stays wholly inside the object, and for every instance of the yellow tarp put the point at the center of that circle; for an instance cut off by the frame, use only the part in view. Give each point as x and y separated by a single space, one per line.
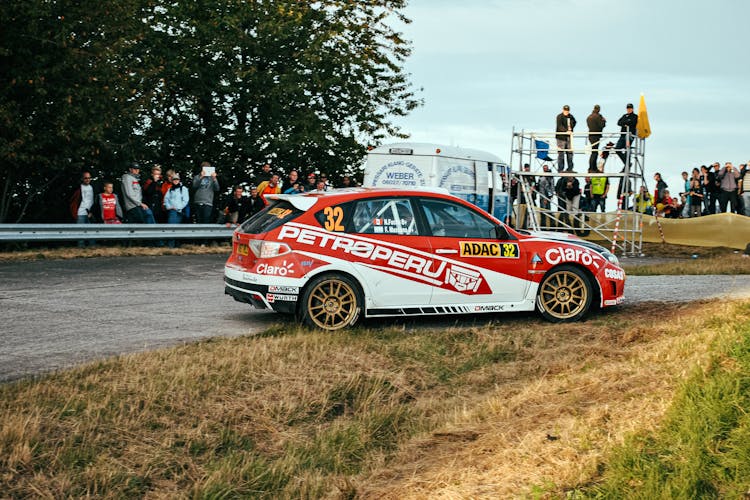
718 230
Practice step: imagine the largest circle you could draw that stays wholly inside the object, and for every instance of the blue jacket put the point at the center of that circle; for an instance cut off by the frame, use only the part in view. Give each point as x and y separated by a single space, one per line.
177 199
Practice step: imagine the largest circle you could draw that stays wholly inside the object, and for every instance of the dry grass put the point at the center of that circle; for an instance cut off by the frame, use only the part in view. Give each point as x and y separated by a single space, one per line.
565 405
729 263
501 409
108 251
666 250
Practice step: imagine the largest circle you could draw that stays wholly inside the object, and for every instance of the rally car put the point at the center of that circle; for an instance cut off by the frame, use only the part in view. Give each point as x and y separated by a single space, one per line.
331 258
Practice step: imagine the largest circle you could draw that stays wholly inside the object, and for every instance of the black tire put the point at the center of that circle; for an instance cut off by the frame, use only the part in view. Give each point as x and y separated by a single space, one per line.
564 295
331 302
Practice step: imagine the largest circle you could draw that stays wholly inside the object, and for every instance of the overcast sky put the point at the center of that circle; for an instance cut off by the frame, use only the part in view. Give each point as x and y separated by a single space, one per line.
488 66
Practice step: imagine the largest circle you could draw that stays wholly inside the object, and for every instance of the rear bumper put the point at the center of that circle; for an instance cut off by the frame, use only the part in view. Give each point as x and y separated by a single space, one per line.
258 296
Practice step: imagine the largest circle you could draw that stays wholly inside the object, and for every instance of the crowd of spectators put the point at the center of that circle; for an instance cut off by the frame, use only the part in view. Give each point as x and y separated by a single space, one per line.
706 190
167 199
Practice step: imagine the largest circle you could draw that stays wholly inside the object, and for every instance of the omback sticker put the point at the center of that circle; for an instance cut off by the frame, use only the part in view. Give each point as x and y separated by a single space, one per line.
489 249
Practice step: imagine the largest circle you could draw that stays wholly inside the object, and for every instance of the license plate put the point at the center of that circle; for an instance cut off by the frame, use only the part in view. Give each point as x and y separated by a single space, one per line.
242 249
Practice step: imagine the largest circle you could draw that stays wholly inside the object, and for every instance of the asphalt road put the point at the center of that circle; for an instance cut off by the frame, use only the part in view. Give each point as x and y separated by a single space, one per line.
60 313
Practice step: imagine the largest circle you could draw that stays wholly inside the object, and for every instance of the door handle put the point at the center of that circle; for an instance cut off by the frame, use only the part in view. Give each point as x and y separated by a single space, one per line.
446 250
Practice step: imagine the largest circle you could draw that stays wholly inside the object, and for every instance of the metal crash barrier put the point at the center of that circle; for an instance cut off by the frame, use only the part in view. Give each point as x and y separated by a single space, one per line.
122 232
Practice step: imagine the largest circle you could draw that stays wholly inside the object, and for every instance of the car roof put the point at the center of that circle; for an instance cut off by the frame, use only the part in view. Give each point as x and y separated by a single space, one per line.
306 201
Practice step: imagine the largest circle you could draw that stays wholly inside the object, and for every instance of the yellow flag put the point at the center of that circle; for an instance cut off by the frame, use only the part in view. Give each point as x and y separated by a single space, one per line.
643 127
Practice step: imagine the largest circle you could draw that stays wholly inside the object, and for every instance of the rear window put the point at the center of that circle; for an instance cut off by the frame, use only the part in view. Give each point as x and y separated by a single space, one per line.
270 217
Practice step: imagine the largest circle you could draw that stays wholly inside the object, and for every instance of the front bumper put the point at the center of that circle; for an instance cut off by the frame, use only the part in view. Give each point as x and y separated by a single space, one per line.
612 282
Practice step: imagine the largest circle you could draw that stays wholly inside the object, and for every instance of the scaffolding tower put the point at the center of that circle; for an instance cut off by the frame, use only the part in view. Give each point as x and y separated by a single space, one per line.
621 228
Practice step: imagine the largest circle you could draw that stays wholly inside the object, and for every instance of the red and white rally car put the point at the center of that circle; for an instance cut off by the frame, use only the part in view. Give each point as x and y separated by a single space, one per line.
332 257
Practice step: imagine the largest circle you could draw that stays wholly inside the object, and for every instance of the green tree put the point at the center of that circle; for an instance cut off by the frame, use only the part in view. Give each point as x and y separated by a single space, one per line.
96 84
300 84
64 101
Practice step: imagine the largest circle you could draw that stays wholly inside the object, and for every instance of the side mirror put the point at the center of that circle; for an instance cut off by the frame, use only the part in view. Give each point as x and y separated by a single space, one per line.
501 233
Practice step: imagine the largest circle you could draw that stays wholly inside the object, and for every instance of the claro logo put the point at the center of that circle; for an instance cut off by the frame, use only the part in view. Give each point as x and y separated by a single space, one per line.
562 254
285 269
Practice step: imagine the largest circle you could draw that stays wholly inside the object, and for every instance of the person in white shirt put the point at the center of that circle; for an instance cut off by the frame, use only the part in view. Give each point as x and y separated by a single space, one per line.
82 202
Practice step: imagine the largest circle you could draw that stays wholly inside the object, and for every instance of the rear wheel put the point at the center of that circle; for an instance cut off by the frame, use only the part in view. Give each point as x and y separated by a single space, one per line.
564 294
331 302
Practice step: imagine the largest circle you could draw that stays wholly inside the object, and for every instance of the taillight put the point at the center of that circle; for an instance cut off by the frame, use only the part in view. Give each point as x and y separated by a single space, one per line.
267 249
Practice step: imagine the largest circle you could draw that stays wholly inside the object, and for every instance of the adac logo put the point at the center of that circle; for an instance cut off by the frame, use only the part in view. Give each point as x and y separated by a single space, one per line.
489 249
285 269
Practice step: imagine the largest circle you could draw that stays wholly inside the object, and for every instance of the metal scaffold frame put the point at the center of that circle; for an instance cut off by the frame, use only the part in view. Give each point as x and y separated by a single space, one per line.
622 229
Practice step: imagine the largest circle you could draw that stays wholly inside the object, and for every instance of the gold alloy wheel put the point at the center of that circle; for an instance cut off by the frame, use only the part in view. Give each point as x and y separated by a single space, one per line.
564 295
332 304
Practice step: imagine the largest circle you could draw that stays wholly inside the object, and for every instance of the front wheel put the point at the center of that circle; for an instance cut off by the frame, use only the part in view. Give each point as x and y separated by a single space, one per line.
331 302
564 295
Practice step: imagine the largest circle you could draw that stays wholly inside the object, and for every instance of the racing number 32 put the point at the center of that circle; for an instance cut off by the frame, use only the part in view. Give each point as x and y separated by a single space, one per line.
334 215
510 250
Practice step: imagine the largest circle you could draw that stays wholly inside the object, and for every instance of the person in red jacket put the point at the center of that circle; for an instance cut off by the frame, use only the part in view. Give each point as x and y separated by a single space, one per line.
108 205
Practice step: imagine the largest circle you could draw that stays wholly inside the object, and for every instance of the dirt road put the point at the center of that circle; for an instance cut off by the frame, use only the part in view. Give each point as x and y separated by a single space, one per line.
64 312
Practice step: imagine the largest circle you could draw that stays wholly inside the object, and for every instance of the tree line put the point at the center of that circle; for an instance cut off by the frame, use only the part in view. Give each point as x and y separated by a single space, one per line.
239 83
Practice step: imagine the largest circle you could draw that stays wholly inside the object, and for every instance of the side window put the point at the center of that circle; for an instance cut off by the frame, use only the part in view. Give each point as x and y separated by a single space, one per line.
456 221
384 216
335 218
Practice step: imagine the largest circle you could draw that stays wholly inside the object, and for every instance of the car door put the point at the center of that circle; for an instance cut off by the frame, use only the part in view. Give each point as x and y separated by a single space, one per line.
395 260
483 268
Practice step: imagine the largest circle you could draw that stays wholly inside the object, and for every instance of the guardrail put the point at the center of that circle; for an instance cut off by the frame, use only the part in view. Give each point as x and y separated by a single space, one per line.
122 232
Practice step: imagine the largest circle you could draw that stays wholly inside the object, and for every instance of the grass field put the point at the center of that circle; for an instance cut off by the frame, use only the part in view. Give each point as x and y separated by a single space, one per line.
513 407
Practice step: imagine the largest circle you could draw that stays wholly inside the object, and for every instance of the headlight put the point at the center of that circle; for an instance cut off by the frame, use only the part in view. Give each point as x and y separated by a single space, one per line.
611 257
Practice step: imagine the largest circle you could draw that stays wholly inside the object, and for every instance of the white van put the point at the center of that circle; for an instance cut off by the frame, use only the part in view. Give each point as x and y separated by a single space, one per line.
476 176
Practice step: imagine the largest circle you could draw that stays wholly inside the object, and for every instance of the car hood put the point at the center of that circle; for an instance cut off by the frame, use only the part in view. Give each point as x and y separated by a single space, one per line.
565 238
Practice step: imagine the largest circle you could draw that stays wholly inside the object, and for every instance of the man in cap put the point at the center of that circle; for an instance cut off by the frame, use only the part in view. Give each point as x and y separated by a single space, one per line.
596 123
627 124
564 126
136 211
311 182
